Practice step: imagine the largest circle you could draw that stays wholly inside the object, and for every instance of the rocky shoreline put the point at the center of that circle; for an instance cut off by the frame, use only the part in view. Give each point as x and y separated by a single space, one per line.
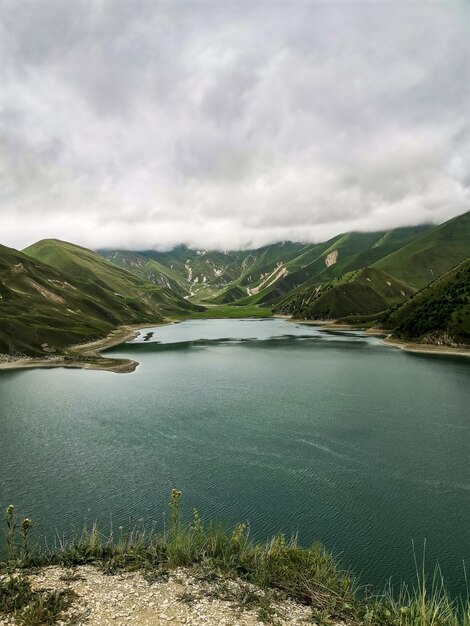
408 346
86 355
426 348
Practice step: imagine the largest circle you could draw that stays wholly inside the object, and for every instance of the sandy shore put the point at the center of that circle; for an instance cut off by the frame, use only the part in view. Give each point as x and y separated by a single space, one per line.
87 355
330 324
427 348
408 346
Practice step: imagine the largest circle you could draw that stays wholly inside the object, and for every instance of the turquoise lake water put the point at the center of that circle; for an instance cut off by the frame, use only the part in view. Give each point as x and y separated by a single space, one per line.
290 427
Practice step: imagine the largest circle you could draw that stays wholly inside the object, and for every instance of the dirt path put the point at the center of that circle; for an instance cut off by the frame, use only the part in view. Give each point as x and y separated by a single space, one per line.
181 597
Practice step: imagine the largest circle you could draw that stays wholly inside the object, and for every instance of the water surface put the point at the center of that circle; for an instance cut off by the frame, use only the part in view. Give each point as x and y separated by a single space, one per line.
290 427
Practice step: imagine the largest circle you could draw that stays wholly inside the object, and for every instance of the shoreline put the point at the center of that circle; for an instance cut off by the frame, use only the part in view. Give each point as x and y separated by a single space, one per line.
407 346
330 324
88 355
425 348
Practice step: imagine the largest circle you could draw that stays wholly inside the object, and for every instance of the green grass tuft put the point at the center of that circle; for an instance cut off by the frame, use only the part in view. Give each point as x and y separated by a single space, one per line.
28 607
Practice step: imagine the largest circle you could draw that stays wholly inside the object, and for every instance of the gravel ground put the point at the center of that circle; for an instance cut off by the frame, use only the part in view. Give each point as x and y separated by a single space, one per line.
182 597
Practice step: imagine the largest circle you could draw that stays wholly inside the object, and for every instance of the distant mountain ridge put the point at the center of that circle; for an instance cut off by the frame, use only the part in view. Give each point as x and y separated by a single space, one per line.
324 280
264 275
55 293
403 271
353 274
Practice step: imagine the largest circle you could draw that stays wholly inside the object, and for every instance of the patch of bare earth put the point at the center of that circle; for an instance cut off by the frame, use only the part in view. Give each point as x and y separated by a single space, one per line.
45 292
182 596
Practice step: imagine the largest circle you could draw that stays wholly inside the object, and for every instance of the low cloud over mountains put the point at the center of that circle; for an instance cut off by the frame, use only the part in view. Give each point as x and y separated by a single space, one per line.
234 124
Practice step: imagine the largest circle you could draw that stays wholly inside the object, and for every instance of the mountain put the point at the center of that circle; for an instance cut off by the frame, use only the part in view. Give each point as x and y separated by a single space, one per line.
265 275
432 254
439 313
42 306
361 292
79 299
322 263
66 293
142 265
92 271
384 282
203 274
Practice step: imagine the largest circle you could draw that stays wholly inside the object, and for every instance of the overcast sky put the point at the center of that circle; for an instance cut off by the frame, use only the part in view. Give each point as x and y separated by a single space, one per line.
141 124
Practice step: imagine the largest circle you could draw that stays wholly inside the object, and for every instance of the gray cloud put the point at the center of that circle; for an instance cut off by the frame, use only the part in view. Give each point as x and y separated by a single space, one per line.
143 124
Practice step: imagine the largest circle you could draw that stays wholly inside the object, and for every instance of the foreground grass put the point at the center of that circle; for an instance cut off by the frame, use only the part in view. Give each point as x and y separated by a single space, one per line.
31 607
310 576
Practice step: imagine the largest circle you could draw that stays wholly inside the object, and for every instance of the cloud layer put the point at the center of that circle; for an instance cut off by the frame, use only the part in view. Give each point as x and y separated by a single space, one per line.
230 124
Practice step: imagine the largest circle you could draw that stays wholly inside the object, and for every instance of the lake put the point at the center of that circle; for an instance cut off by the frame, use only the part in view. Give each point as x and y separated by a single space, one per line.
290 427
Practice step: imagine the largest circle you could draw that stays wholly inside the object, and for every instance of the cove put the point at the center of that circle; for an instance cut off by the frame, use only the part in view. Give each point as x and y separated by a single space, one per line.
292 428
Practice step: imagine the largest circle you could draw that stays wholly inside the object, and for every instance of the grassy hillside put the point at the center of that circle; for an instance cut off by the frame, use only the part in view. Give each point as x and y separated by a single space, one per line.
439 313
229 295
40 305
353 274
147 268
92 271
360 292
322 263
202 274
81 298
421 254
432 254
265 275
316 264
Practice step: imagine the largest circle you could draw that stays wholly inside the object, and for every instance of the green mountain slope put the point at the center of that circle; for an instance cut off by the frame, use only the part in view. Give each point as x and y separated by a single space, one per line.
66 293
37 305
431 255
360 292
322 263
142 265
203 274
197 273
263 276
335 292
41 304
92 272
439 313
229 295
